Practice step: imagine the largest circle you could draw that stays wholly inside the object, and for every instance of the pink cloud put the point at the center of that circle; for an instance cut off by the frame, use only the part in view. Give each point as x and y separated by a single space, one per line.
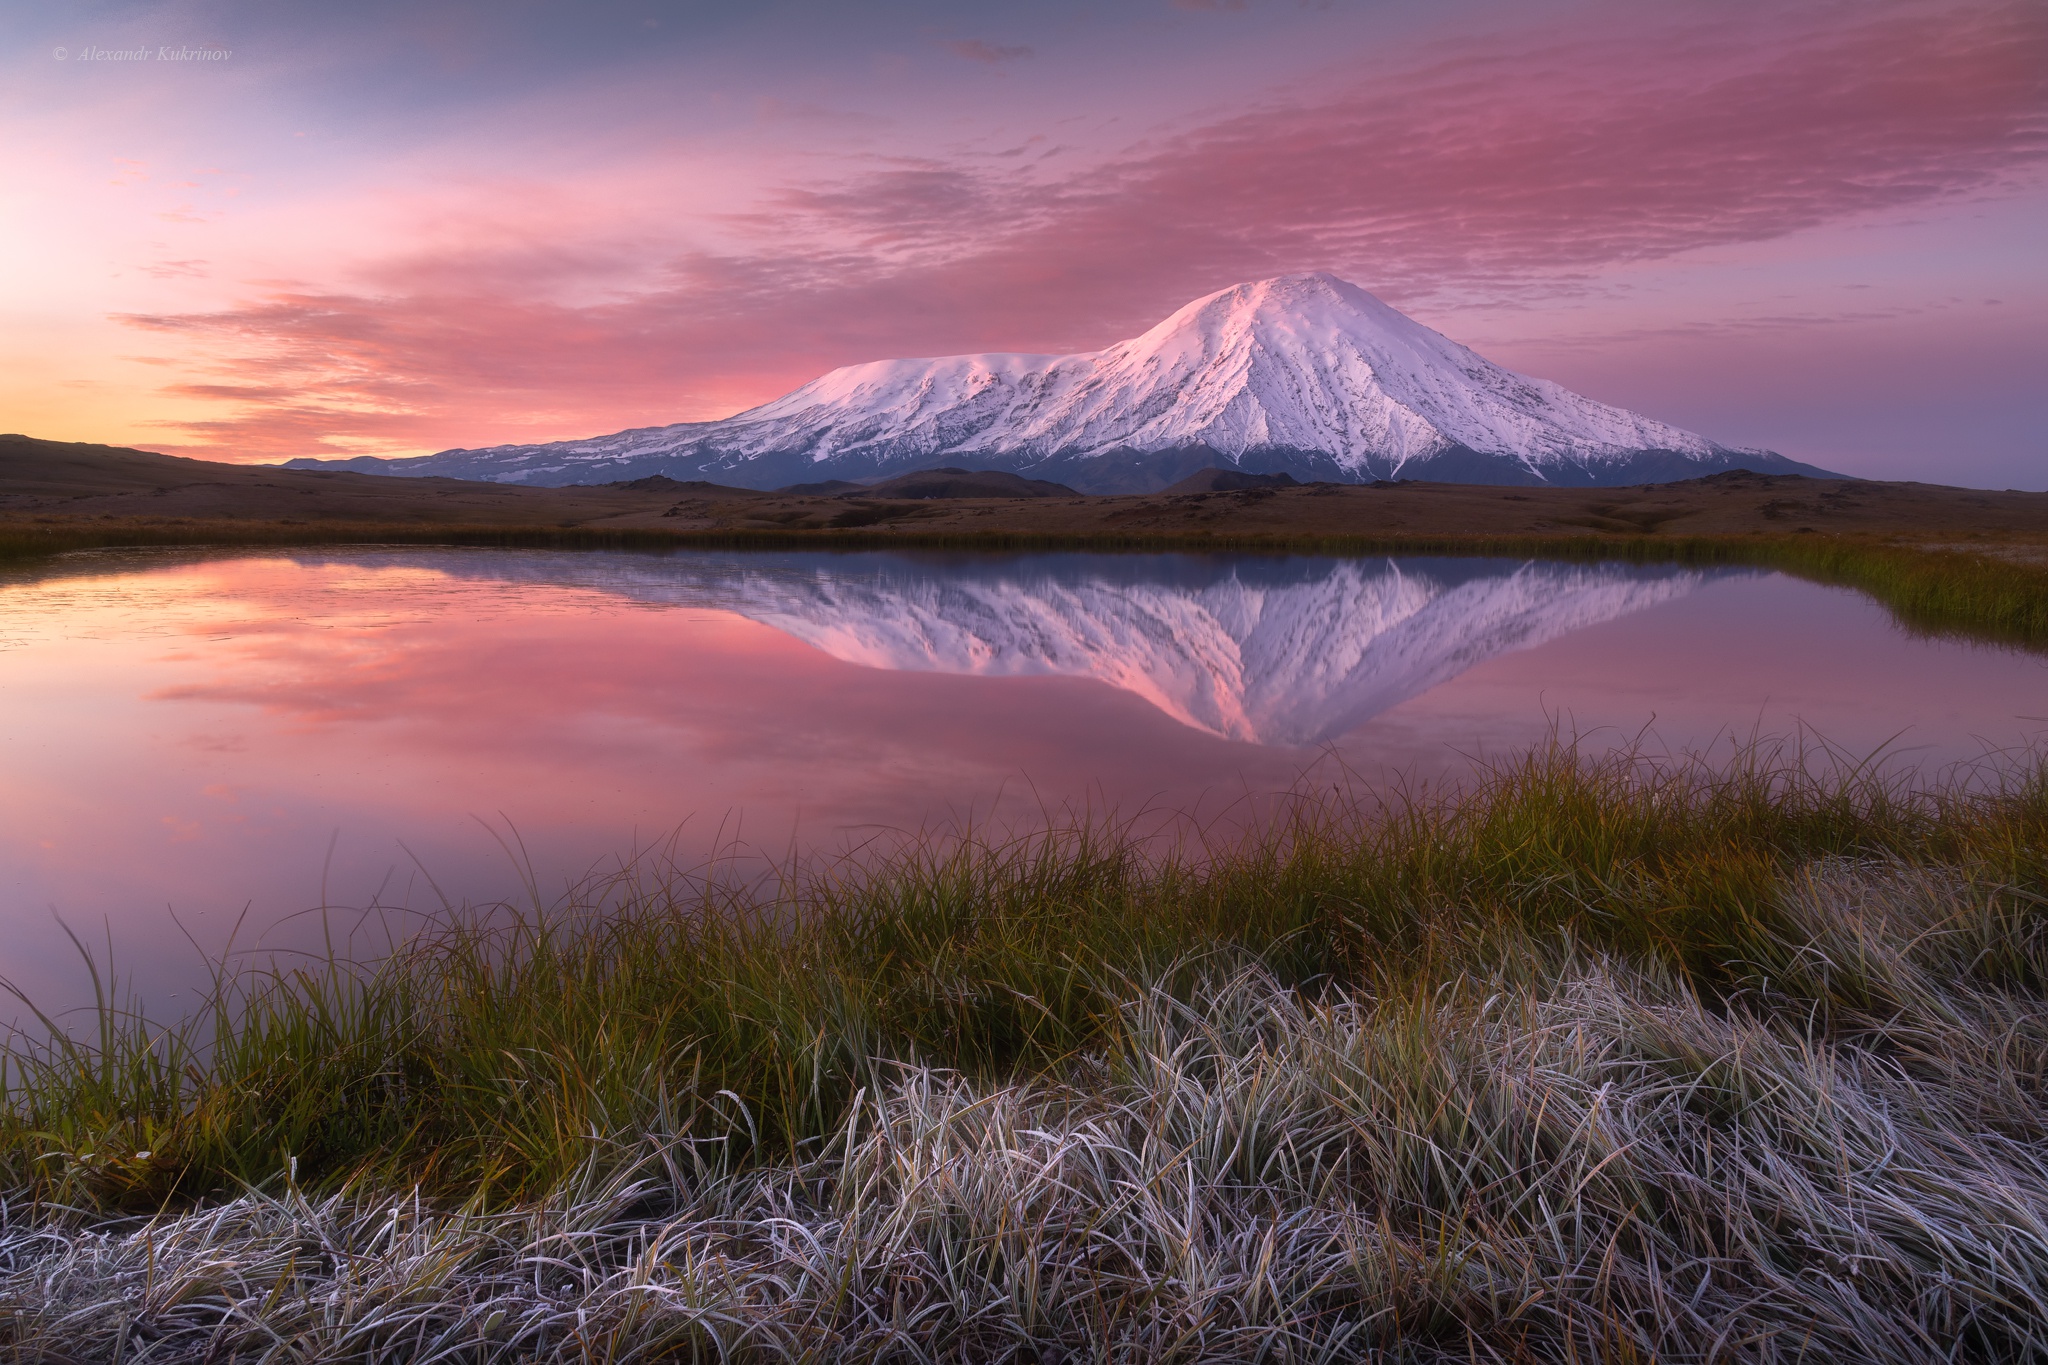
1490 169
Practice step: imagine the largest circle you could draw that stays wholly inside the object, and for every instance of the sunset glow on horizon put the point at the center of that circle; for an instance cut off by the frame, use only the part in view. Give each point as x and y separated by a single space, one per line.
250 232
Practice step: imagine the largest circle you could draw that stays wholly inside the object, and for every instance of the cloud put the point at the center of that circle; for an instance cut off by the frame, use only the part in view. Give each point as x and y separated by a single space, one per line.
978 50
925 203
1494 166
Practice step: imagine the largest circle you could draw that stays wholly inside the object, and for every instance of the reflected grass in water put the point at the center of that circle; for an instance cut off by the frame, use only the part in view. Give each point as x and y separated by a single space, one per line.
1620 1058
1969 594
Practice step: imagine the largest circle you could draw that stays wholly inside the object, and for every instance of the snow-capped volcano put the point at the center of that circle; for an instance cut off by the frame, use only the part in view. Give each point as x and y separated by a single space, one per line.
1267 651
1303 373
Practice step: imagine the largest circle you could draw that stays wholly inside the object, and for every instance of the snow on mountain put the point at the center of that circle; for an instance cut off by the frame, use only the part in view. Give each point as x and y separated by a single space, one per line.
1269 652
1305 373
1303 362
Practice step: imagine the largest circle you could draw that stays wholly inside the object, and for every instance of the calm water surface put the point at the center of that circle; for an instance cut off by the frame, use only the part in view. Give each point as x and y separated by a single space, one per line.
268 733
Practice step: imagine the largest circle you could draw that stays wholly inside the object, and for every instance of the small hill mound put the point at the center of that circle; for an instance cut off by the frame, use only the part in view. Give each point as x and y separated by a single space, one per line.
33 467
963 483
662 483
822 489
1213 480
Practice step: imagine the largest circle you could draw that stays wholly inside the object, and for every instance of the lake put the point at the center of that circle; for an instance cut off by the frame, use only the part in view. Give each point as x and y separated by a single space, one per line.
249 736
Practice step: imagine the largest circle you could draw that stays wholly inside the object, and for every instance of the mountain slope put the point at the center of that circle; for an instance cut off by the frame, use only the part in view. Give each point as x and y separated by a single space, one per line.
1305 374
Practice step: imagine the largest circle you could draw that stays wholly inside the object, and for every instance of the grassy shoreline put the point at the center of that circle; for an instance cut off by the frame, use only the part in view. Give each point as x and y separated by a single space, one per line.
1612 1059
1933 589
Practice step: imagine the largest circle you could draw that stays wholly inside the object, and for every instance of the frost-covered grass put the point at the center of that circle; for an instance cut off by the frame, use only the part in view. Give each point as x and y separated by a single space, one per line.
1593 1061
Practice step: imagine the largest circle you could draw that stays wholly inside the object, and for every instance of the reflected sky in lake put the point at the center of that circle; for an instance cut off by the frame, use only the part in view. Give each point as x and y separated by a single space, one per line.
209 734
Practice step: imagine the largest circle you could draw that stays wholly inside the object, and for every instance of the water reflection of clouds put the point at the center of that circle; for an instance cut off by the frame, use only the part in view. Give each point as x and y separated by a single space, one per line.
600 701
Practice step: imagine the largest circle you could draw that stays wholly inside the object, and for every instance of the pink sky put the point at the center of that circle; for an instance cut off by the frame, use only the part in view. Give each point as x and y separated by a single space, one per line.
393 230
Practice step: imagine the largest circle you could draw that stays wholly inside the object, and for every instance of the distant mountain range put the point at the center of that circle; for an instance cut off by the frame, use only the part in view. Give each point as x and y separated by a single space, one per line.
1267 651
1303 374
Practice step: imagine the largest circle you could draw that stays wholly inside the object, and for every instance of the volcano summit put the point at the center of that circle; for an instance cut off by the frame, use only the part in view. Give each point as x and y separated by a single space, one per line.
1303 374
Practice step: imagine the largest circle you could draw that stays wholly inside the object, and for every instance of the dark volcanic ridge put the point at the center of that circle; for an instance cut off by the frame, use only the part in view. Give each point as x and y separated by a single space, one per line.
1106 472
1214 480
950 481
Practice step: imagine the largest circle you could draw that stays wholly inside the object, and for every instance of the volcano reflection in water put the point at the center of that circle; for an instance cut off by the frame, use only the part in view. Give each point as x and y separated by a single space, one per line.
1280 651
